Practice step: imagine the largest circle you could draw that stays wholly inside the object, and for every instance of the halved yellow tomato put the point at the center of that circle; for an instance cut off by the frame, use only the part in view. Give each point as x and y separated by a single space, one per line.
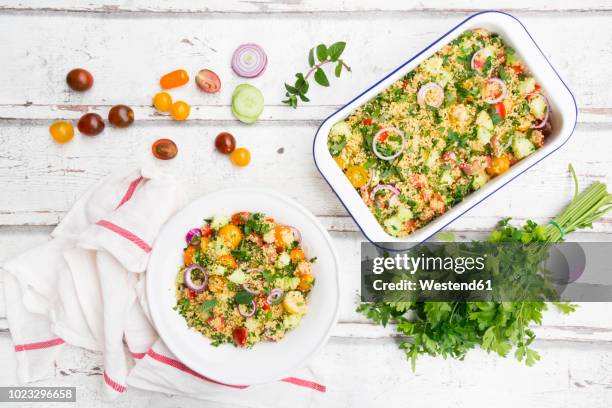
358 176
231 235
228 261
294 302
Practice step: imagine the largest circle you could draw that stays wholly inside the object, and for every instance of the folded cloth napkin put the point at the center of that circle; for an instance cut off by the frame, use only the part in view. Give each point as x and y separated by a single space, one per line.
85 287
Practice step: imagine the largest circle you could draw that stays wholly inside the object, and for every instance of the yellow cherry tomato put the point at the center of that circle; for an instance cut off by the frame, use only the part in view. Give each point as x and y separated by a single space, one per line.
204 241
61 131
231 235
162 101
294 302
180 110
358 176
228 261
499 165
283 236
306 282
340 162
296 255
240 157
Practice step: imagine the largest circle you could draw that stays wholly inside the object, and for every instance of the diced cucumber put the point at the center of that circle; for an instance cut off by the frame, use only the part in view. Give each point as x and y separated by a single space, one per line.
483 135
404 214
247 102
219 220
238 277
393 225
432 158
527 85
537 106
446 178
511 58
340 129
484 120
480 179
522 147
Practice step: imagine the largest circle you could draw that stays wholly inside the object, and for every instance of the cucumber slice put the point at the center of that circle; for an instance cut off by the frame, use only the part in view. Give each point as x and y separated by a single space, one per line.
248 101
243 119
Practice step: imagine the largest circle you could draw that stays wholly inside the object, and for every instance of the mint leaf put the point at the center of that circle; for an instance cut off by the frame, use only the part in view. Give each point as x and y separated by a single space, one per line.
208 305
338 69
243 298
322 52
335 50
311 59
321 77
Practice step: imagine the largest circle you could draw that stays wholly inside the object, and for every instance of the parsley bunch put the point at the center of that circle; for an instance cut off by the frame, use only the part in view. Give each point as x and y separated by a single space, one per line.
324 55
451 329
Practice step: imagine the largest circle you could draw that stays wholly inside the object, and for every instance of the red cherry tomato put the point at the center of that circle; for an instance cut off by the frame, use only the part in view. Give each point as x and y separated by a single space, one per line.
208 81
383 136
367 121
207 230
500 109
240 336
240 218
191 294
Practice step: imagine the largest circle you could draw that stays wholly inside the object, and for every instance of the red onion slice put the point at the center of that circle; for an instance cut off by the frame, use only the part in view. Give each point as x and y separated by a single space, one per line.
249 61
394 190
546 115
247 314
194 236
375 143
503 93
425 90
275 296
189 282
487 53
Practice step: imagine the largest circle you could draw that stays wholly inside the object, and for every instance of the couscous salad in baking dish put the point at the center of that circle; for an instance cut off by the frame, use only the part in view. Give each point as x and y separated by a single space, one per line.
244 279
462 116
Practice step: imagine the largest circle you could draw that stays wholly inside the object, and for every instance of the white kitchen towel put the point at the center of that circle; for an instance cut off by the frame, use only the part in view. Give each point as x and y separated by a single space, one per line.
85 287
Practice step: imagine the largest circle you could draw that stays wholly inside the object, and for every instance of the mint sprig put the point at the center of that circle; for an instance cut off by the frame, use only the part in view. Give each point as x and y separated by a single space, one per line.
317 57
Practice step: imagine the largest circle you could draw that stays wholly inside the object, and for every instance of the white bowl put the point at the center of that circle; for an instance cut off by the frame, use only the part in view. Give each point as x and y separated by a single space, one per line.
563 122
266 361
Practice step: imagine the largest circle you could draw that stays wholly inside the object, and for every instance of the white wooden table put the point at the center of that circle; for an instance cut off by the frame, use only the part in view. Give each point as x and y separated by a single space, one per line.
127 47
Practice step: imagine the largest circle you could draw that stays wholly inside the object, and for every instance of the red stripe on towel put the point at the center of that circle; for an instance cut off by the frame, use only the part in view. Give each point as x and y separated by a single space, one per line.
305 383
113 384
39 345
180 366
138 356
130 191
125 234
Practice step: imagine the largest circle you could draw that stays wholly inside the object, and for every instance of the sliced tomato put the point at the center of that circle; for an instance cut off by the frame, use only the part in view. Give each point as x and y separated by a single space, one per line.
383 136
517 69
191 294
500 109
240 218
207 231
240 336
367 121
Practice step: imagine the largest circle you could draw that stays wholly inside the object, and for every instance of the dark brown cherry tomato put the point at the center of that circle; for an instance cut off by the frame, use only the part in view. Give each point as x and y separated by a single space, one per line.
91 124
240 336
208 81
79 79
225 142
121 116
164 149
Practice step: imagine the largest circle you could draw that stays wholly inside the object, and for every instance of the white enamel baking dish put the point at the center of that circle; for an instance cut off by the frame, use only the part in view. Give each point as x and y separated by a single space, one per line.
564 114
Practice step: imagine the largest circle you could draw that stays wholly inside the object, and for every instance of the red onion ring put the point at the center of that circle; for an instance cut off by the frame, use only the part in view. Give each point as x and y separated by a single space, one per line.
189 282
545 119
422 94
375 142
275 295
249 314
296 233
379 187
249 61
503 92
473 60
193 236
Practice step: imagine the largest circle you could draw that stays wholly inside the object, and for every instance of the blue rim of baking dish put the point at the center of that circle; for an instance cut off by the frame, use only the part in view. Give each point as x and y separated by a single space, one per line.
378 244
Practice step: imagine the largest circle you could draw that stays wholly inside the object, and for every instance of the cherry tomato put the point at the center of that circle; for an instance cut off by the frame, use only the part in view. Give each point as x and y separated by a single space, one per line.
383 136
240 336
204 241
174 79
499 165
225 142
228 261
280 231
500 109
231 235
188 254
162 101
61 131
340 162
367 121
79 79
208 81
296 255
180 110
306 282
121 116
191 294
358 176
207 231
240 218
164 149
241 157
91 124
